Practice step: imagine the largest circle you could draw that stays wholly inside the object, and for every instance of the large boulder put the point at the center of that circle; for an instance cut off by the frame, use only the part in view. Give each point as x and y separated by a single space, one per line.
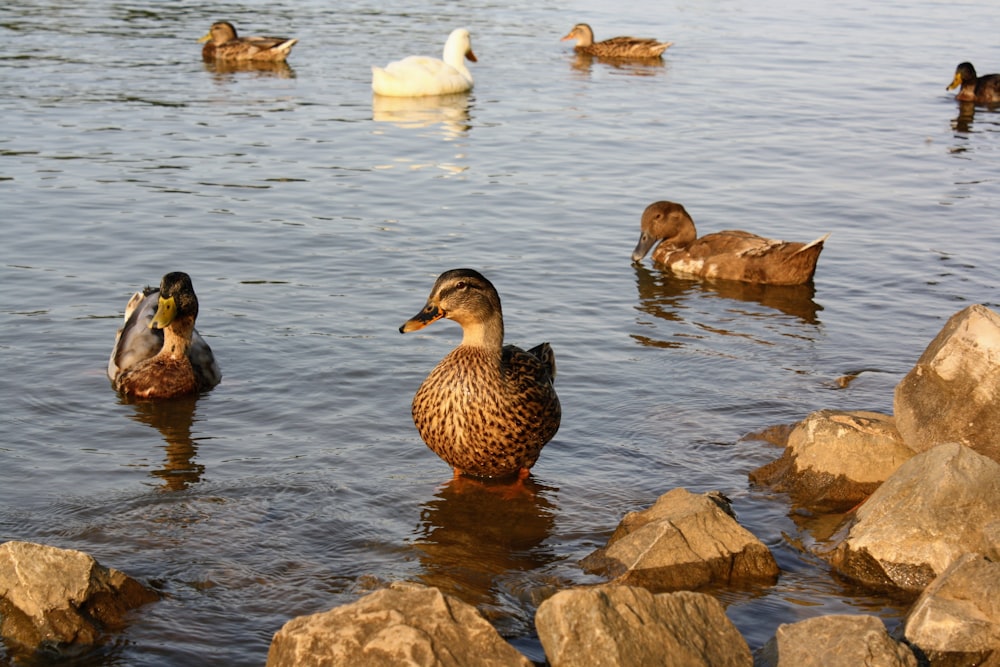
404 624
834 641
51 598
835 459
682 542
936 507
953 392
956 620
613 625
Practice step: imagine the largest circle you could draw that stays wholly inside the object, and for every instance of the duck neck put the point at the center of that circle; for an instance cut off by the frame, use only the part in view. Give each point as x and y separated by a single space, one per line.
177 338
484 334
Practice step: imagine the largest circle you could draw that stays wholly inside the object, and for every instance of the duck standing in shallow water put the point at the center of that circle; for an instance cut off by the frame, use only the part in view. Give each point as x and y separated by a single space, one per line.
616 47
158 353
221 43
728 255
417 76
983 89
487 409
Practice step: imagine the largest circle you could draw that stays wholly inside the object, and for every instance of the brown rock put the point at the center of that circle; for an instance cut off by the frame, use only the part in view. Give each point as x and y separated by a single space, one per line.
834 641
404 624
51 597
953 392
623 625
835 459
682 542
956 620
937 506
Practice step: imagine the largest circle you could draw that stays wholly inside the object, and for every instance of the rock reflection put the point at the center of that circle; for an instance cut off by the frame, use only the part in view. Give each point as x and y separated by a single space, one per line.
451 112
174 419
664 295
472 533
223 68
583 62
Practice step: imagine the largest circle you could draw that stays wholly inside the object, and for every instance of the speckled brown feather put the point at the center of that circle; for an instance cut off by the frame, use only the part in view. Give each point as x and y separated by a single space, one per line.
615 47
726 255
486 410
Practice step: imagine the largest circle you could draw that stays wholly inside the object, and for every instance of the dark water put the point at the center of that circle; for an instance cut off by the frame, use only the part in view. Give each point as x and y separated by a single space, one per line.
314 223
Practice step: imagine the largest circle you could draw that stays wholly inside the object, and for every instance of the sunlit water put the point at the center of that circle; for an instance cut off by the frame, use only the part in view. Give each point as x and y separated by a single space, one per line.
314 223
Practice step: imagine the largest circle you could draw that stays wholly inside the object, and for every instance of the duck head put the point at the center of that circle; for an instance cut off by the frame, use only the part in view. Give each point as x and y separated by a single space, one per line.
177 299
467 297
664 221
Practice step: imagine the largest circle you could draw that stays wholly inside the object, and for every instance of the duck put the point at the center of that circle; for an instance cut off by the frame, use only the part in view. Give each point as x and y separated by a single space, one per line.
419 76
983 89
616 47
158 353
727 255
222 43
486 409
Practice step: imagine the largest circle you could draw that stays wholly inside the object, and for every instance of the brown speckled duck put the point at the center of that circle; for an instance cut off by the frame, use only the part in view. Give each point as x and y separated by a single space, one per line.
221 43
983 89
158 353
616 47
487 409
728 255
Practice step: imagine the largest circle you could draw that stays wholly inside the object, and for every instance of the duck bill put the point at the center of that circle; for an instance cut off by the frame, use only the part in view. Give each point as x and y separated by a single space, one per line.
956 82
469 55
429 314
166 311
642 247
205 38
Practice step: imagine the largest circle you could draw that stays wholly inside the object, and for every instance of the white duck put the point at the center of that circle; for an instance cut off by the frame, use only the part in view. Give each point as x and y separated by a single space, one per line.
417 76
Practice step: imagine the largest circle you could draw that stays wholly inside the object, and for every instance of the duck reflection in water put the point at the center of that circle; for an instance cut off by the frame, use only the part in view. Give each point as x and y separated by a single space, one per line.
665 295
474 535
174 418
222 69
583 62
451 112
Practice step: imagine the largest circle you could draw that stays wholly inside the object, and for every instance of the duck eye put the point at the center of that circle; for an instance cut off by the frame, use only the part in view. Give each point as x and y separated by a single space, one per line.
461 284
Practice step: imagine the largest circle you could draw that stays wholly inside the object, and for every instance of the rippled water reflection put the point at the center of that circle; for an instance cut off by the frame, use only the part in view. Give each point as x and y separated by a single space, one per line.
313 219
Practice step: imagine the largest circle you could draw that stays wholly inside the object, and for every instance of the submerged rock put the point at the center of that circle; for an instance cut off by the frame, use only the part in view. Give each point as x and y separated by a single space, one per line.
682 542
835 459
51 597
404 624
937 506
834 641
952 394
956 620
613 625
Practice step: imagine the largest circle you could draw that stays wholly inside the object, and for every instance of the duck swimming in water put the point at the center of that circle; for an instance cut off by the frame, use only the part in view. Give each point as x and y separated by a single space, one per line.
616 47
487 409
971 88
222 43
728 255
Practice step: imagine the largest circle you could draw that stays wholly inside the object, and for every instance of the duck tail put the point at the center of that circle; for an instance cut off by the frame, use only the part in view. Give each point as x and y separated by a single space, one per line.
818 242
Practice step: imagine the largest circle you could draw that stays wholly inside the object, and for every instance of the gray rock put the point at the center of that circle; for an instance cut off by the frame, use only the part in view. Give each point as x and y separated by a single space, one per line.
624 625
952 394
956 620
52 597
834 641
836 459
404 624
682 542
937 506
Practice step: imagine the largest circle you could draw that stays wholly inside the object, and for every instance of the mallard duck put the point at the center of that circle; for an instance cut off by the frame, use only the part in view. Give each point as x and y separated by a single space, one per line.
221 43
729 255
983 89
158 353
487 409
416 76
616 47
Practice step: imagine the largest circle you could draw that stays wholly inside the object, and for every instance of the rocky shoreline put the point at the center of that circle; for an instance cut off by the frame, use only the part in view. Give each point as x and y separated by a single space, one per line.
921 492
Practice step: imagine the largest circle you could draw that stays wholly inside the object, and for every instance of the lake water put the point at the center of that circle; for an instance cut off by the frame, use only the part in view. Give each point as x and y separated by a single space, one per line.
314 223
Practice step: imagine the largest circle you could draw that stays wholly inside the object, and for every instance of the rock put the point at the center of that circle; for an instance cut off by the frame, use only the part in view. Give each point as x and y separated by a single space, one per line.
52 597
953 392
835 459
625 625
940 504
956 620
834 641
404 624
682 542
